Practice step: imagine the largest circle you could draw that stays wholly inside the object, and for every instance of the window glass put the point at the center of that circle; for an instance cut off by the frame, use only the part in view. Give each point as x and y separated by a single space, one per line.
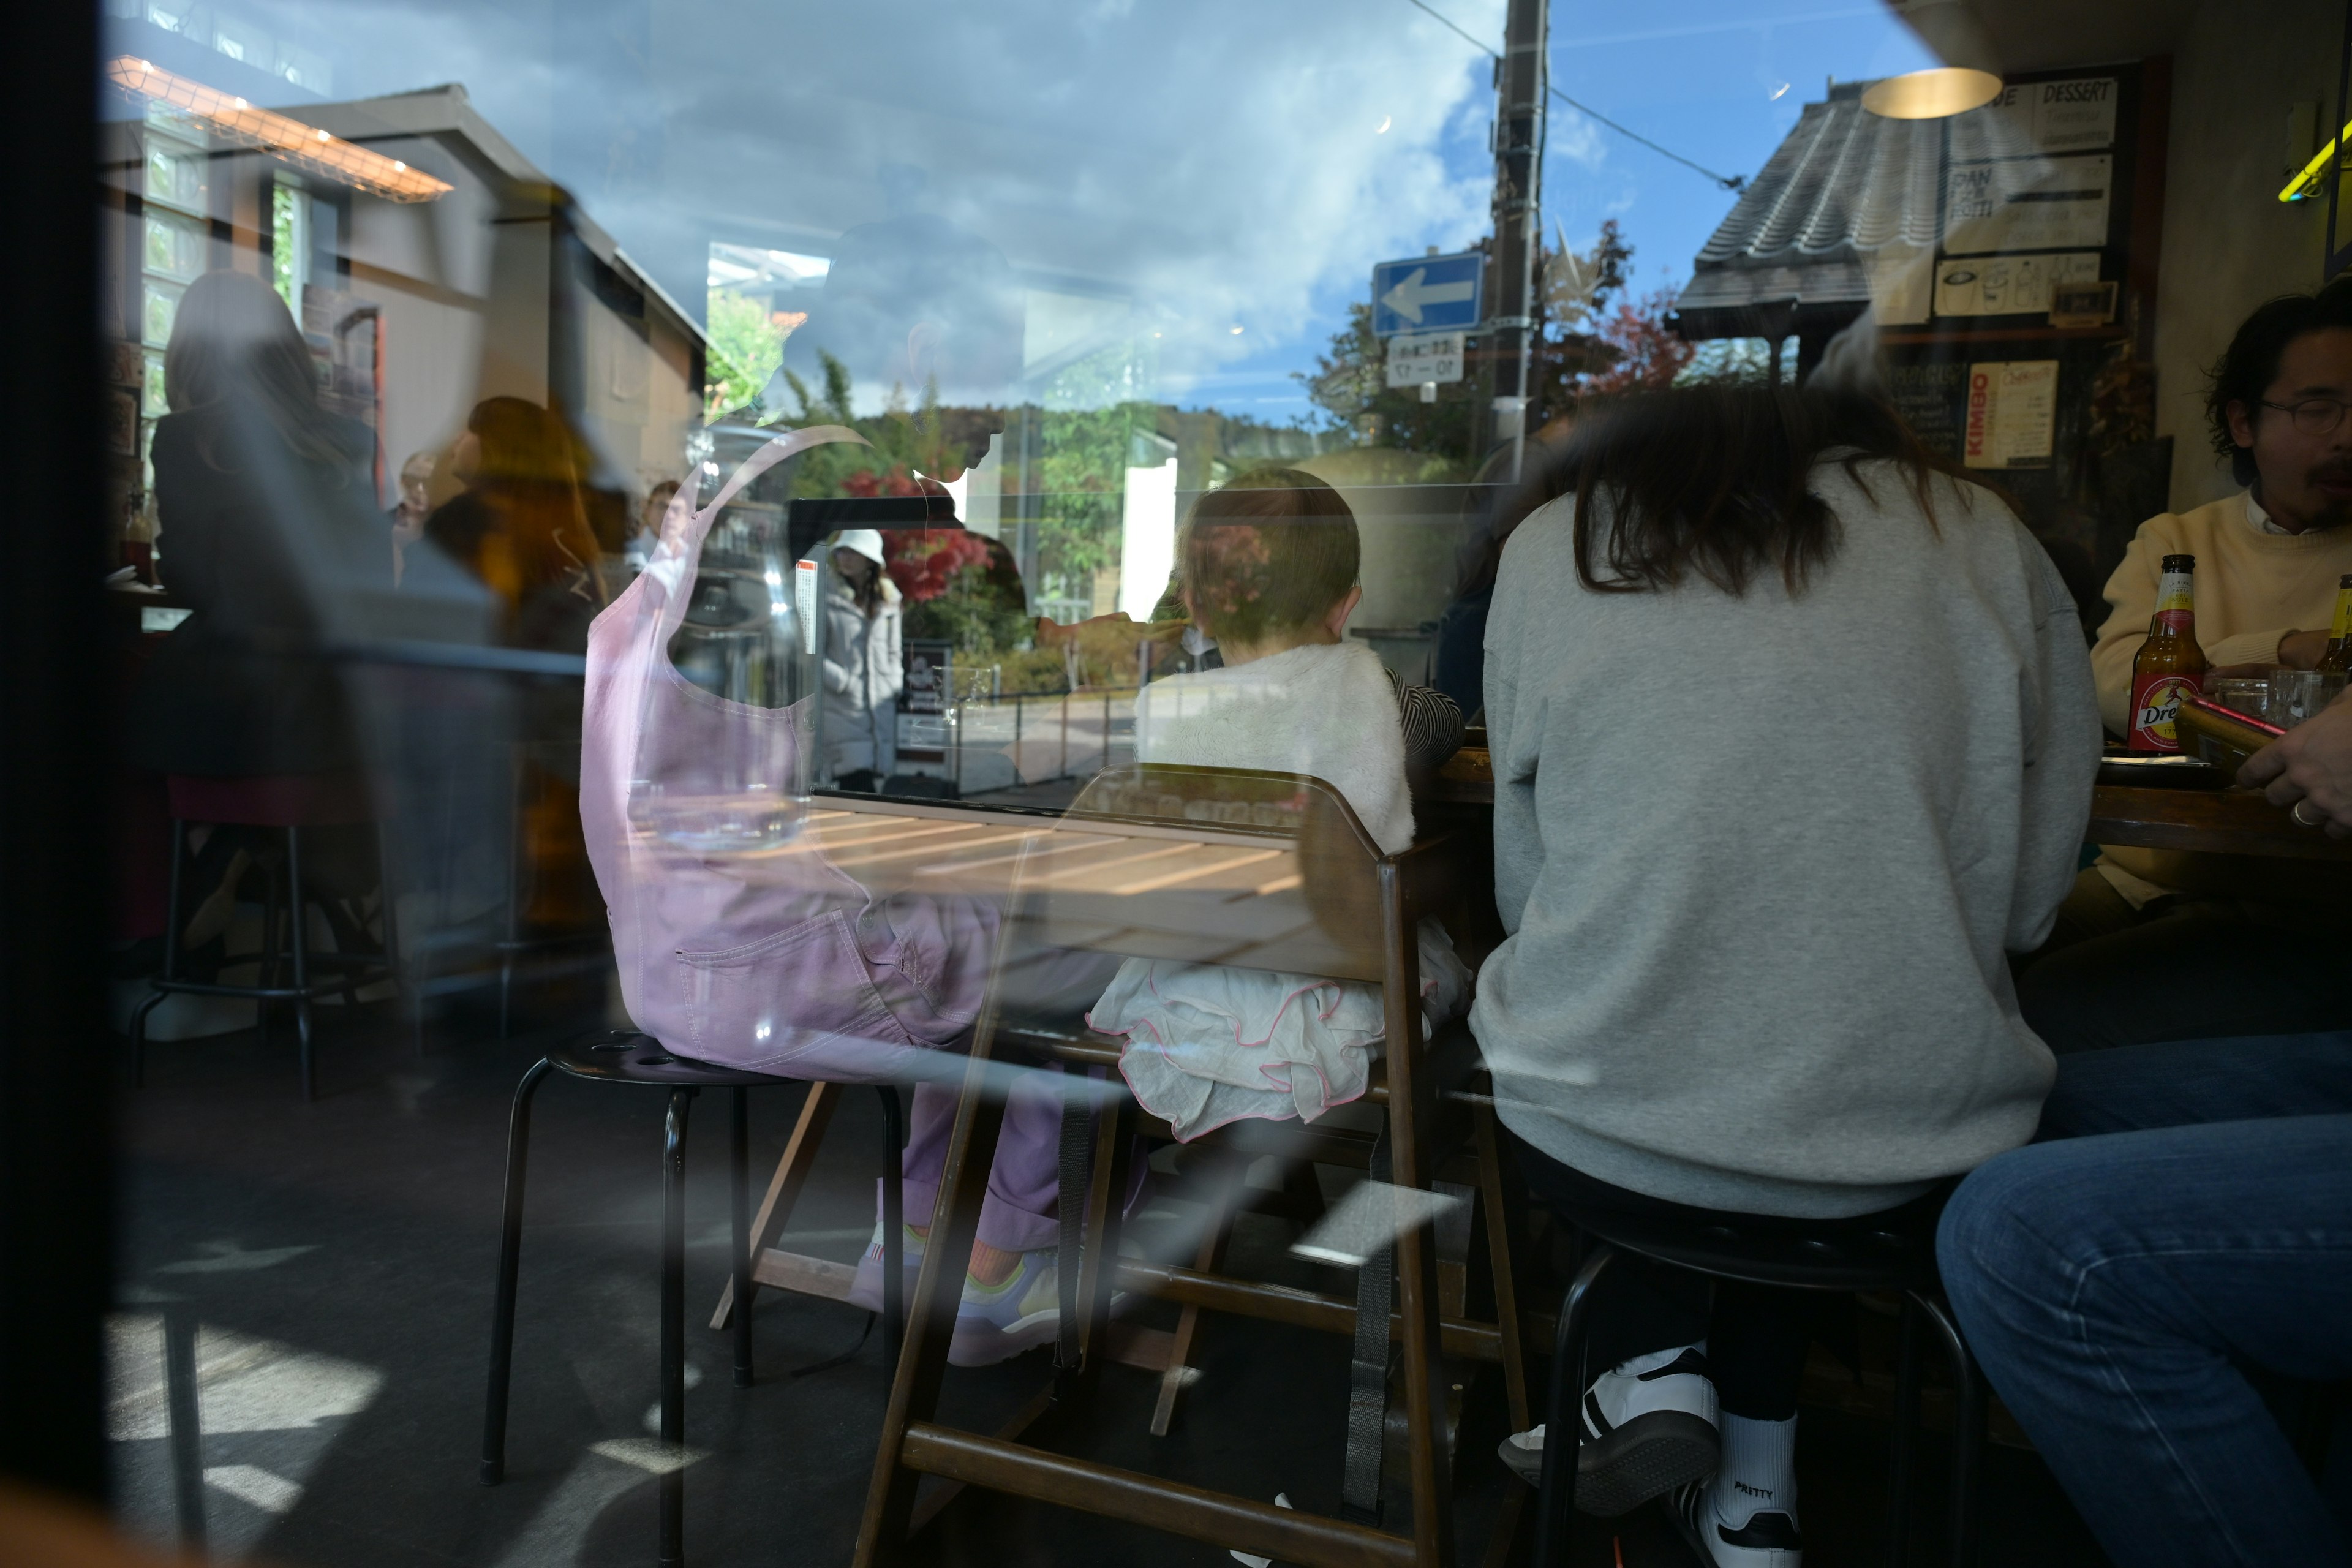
587 445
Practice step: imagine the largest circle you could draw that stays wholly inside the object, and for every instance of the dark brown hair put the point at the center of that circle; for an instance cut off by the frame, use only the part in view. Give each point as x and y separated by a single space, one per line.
1711 482
234 348
1273 551
2250 363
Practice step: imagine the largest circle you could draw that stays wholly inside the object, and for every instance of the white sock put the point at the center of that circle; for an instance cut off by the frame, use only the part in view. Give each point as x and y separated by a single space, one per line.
1759 1470
1636 1365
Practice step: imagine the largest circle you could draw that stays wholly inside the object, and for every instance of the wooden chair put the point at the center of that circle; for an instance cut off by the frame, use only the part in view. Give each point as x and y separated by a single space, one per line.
1256 870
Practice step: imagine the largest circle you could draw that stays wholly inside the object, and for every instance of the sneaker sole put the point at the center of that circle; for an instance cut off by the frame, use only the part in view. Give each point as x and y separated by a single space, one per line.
1647 1457
979 1342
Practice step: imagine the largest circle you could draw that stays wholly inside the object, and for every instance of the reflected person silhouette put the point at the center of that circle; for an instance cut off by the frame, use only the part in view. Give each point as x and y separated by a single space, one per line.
266 506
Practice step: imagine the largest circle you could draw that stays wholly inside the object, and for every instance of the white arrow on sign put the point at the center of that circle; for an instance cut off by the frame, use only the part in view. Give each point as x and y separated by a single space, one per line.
1408 296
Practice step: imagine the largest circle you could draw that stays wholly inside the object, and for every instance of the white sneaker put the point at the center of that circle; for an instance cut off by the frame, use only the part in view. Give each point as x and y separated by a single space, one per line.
1650 1425
1769 1538
997 1322
866 1289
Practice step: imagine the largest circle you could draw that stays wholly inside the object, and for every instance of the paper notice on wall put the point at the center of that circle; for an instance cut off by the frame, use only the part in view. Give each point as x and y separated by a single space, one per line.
2009 285
2071 116
2027 204
2013 414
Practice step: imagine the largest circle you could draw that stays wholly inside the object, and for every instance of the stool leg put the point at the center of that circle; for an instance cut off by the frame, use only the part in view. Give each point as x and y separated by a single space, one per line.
739 1205
265 973
388 916
673 1330
1907 1434
502 1315
1556 1494
171 957
894 1226
139 1038
185 1424
298 942
1967 1432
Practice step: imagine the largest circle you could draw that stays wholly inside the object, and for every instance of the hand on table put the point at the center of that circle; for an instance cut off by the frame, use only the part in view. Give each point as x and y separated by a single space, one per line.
2312 762
2302 651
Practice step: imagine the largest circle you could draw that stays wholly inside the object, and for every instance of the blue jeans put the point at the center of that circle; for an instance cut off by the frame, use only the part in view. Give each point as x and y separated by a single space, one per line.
2189 1212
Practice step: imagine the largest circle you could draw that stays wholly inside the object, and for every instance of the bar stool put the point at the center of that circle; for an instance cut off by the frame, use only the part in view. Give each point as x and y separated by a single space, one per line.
1894 1252
285 802
626 1057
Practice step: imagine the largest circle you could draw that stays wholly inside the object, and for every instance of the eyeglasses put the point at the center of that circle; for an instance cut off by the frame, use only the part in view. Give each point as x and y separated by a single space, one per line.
2313 415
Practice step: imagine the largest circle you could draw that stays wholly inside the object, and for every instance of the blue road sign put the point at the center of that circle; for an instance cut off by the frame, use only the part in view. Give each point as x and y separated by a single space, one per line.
1427 293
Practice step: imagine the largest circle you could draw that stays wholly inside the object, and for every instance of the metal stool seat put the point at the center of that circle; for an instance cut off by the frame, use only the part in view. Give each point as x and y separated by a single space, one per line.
1895 1251
627 1056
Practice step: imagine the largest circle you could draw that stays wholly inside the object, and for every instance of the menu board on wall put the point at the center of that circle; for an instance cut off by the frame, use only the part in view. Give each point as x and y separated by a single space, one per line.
2071 116
2013 414
1929 396
2027 204
2009 285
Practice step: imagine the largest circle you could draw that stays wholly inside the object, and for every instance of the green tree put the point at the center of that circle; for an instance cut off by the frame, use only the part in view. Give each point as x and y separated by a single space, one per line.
747 344
1350 383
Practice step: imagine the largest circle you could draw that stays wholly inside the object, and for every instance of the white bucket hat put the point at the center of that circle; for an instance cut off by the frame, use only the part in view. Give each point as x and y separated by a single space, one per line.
865 542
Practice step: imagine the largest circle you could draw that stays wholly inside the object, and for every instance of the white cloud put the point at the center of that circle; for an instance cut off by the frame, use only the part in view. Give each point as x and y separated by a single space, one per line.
1218 159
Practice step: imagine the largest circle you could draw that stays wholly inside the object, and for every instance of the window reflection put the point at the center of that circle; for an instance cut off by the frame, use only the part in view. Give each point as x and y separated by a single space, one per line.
442 343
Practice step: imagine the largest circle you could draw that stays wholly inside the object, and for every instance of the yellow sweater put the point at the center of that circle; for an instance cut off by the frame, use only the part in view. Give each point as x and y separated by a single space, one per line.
2252 588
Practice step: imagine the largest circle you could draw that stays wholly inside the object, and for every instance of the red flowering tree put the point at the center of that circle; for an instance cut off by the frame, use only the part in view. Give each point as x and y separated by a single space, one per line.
959 585
1647 353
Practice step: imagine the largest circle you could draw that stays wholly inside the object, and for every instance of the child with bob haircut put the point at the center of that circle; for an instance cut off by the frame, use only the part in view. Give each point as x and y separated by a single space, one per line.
1267 567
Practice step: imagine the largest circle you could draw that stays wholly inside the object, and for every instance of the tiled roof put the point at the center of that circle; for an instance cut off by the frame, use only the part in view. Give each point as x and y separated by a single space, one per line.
1843 184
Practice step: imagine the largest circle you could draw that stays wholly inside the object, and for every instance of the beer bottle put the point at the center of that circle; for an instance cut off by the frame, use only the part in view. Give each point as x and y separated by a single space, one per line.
2169 664
2337 659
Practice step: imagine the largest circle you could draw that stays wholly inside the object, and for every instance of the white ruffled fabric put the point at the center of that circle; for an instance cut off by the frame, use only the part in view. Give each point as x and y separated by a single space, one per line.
1207 1045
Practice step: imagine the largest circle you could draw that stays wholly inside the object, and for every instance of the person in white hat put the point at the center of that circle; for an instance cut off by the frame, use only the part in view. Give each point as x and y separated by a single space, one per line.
864 668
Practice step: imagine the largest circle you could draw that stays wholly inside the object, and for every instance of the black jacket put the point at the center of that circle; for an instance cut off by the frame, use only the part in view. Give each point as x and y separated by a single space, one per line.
261 544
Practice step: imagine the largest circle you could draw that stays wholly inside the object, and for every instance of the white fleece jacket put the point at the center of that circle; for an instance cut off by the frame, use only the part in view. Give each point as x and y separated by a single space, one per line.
1326 709
1205 1043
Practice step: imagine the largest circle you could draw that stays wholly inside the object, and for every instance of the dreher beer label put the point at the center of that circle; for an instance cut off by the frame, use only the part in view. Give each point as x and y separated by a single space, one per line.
2155 702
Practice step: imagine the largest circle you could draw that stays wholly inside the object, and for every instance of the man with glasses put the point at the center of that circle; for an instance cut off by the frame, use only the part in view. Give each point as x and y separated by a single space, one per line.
2158 945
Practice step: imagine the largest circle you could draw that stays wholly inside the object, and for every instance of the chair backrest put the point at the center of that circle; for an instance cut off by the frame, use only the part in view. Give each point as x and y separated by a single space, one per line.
1338 862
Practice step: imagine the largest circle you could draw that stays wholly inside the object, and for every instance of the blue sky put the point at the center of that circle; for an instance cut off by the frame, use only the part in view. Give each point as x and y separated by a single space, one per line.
1720 81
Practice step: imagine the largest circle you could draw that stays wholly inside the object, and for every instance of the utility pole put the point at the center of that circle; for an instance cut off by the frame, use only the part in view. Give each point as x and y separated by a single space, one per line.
1522 83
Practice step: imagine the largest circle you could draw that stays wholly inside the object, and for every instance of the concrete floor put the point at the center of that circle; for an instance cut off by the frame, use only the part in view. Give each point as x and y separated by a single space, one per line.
335 1262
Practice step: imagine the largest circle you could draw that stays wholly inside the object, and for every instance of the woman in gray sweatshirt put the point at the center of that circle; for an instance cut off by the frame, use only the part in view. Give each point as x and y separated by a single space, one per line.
1793 736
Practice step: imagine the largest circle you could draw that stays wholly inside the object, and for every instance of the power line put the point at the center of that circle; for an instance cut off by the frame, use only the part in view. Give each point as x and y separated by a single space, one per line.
1729 182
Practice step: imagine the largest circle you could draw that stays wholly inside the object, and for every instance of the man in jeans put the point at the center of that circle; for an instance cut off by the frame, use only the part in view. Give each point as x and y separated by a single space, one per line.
2189 1210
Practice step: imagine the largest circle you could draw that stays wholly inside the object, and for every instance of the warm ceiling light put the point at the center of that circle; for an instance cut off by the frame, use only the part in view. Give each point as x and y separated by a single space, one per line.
1931 94
306 146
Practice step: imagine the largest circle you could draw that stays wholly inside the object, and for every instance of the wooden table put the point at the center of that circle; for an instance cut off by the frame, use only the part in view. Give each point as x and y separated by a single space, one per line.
2218 821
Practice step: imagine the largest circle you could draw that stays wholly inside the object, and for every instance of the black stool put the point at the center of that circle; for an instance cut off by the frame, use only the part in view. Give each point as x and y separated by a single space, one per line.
1898 1254
627 1056
285 802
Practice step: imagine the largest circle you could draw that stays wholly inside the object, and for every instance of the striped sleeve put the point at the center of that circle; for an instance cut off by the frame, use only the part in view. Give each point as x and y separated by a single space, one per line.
1432 725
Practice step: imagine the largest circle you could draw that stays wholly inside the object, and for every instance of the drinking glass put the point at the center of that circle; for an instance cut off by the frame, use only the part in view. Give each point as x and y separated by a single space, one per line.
2244 694
2298 694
